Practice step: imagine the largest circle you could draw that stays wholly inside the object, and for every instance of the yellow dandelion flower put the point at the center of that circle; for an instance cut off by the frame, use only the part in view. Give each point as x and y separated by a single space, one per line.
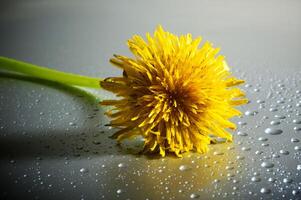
173 93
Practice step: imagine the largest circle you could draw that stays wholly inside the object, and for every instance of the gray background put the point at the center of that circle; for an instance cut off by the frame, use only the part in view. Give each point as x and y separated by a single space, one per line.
49 132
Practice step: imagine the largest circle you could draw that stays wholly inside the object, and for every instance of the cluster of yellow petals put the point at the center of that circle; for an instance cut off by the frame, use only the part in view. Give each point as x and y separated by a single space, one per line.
173 93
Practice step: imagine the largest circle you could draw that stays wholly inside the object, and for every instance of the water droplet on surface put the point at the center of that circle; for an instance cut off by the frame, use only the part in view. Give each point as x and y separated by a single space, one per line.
263 139
96 142
265 190
121 165
255 179
229 167
250 113
258 152
294 140
194 196
260 101
245 148
298 167
216 181
273 131
264 144
72 123
297 121
284 152
295 192
274 122
83 170
287 180
280 116
240 157
272 180
217 153
235 181
297 148
267 165
119 191
297 128
242 133
273 109
242 123
184 167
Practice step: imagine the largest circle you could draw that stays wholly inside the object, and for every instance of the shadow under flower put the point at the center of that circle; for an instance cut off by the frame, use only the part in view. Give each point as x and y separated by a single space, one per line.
88 139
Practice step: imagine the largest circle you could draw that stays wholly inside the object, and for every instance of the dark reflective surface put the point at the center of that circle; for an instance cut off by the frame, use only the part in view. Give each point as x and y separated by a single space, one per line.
53 142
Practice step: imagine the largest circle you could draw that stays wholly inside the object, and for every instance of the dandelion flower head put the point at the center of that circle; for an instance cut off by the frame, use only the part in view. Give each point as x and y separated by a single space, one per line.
174 93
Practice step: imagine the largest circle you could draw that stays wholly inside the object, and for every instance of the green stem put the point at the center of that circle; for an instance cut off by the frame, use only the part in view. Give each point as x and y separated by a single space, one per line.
12 65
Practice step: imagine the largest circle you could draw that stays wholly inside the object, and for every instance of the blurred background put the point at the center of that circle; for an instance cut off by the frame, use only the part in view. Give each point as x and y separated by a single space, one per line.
53 142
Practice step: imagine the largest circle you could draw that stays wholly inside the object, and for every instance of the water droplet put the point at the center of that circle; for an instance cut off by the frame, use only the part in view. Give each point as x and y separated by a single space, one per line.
267 165
280 116
255 179
219 140
216 181
273 109
287 180
194 196
241 133
245 148
184 167
242 123
281 85
265 190
258 152
96 142
297 121
274 122
263 139
250 113
83 170
229 167
273 131
272 180
240 157
72 123
235 181
294 140
217 153
297 128
264 144
297 148
260 101
284 152
295 192
121 165
298 167
119 191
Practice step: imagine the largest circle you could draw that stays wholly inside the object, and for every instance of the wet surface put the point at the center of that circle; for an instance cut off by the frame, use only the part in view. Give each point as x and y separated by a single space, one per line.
54 143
